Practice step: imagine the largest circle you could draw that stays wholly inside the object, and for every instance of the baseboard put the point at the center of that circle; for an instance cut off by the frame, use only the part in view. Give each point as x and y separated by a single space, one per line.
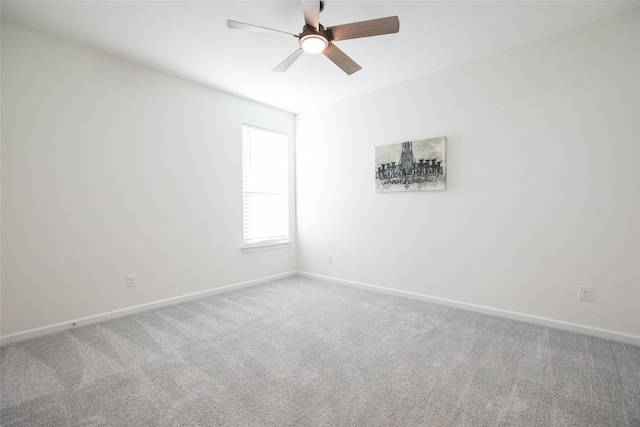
567 326
543 321
45 330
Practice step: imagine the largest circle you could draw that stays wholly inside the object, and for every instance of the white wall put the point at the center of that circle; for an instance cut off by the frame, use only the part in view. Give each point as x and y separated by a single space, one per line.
111 169
542 189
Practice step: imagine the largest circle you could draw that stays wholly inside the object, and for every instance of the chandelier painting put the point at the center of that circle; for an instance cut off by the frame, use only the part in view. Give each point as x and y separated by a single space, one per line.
398 170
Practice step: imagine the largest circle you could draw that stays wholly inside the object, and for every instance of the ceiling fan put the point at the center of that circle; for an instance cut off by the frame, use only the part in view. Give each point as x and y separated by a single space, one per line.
315 38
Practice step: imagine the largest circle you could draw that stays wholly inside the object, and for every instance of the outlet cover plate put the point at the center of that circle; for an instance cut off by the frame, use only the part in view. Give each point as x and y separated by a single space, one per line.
585 294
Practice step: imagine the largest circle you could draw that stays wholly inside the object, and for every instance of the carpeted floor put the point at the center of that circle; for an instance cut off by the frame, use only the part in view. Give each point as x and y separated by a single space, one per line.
303 352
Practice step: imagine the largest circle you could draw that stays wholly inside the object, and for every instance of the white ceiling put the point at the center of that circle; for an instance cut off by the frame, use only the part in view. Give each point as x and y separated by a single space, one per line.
190 39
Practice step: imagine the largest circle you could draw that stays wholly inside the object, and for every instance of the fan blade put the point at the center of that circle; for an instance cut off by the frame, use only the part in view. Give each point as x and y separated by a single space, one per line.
374 27
284 65
341 59
311 10
236 25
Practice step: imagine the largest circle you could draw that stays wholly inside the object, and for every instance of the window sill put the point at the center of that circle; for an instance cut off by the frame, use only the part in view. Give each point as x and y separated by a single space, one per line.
266 246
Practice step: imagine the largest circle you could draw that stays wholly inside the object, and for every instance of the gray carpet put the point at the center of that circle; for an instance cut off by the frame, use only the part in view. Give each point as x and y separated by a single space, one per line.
303 352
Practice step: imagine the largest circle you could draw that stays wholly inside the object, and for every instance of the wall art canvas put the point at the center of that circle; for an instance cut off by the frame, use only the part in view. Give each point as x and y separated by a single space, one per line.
412 165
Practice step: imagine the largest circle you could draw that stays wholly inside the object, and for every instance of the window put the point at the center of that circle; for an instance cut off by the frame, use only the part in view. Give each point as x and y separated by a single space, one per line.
265 188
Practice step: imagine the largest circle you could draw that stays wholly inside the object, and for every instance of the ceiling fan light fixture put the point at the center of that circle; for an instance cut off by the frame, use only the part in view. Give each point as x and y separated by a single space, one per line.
313 43
315 38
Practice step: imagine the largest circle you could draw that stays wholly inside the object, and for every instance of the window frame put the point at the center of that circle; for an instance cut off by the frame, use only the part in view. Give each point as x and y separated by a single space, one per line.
266 243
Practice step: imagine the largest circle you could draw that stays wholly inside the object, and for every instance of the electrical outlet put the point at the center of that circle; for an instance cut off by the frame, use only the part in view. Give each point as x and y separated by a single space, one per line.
584 293
330 259
131 281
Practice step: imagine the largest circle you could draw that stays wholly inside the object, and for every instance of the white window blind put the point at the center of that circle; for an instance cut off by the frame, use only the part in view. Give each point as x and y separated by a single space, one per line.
265 187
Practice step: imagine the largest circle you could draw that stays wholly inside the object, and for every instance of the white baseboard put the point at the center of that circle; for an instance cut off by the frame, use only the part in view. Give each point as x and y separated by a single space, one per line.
543 321
45 330
567 326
